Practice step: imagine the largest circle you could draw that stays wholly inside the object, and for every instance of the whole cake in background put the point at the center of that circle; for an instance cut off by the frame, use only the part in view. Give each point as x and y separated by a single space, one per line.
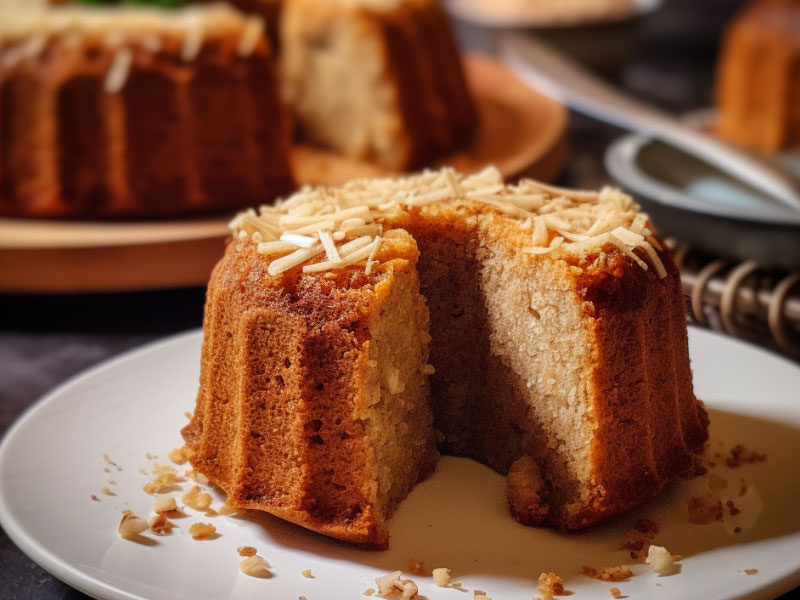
138 112
758 81
351 332
378 80
129 111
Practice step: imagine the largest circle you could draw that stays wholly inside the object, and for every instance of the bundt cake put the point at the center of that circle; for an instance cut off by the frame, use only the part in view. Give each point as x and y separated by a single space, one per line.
379 80
138 112
555 349
758 87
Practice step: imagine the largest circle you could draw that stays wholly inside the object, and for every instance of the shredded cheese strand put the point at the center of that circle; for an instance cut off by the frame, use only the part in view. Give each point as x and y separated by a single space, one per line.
346 223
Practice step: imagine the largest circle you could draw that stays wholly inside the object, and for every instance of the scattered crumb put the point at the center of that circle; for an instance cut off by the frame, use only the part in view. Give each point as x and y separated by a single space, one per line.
751 571
187 414
180 455
732 510
525 491
95 498
107 491
112 482
164 504
618 573
107 469
417 567
131 525
255 566
197 476
456 584
441 576
197 499
550 585
226 509
201 531
662 561
368 592
307 574
162 483
392 583
246 551
149 456
737 530
111 462
742 488
637 548
639 538
164 470
705 509
481 596
739 455
160 525
616 593
144 471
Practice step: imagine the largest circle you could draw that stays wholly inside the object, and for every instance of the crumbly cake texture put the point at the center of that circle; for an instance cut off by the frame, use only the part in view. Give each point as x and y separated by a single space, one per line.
115 112
758 80
376 80
557 350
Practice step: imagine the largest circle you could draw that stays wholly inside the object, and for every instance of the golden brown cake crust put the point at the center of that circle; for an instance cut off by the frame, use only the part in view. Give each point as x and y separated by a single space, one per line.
278 420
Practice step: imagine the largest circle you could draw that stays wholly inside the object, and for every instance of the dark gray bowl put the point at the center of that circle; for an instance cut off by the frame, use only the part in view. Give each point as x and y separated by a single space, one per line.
707 208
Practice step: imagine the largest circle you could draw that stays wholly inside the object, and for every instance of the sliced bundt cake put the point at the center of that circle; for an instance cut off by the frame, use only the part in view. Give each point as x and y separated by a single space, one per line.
558 352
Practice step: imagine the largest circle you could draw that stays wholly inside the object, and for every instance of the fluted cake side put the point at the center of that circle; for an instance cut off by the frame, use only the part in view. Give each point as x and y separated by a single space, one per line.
139 113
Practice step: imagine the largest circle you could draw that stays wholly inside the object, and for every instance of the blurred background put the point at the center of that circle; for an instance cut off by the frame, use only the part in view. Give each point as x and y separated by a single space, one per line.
64 306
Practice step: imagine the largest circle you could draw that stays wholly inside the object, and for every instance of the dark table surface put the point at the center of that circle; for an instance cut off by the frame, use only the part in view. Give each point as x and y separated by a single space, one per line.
668 58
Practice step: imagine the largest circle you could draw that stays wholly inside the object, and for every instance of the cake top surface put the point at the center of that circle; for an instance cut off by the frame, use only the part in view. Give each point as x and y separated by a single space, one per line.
346 223
133 20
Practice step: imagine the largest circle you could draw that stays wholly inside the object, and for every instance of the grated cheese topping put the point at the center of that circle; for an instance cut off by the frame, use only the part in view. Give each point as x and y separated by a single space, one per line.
346 224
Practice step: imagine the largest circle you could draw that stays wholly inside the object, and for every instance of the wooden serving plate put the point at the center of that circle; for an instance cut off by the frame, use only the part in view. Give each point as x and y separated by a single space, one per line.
521 132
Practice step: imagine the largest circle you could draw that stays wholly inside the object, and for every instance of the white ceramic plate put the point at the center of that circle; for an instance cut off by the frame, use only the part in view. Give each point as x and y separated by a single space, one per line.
51 462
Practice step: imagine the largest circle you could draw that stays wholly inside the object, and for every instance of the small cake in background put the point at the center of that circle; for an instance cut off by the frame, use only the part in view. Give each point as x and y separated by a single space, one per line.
377 80
127 111
758 87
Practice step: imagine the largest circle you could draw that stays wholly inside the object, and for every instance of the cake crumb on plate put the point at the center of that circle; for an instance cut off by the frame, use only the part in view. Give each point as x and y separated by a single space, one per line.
202 531
255 566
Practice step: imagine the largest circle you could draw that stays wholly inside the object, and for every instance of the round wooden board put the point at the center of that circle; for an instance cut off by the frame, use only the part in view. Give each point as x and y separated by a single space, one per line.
522 133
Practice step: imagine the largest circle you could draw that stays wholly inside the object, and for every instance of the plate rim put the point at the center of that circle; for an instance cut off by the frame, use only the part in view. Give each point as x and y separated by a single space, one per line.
96 588
619 159
35 551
